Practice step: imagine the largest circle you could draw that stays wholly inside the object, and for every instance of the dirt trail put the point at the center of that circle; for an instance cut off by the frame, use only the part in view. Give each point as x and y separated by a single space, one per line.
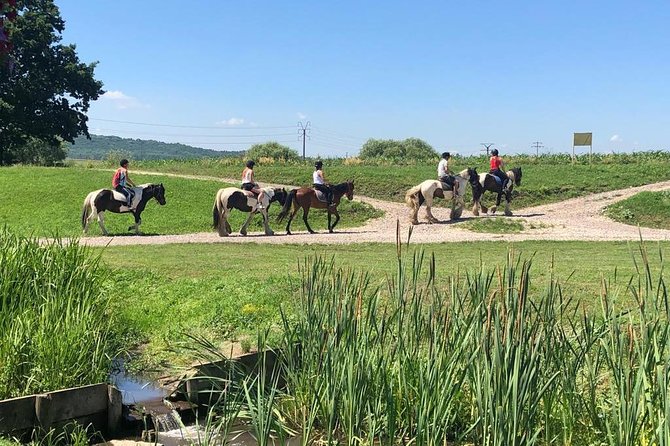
573 219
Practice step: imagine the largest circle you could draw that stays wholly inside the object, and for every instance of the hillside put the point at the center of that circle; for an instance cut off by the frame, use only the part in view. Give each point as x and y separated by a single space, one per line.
99 146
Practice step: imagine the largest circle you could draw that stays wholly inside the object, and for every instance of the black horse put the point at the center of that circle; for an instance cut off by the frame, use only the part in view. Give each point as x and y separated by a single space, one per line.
488 182
99 201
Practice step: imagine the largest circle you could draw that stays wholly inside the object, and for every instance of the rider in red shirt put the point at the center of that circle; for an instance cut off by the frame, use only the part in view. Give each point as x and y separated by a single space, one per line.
121 180
497 166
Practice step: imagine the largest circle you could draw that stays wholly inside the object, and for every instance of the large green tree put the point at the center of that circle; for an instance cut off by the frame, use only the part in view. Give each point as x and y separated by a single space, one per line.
407 149
45 91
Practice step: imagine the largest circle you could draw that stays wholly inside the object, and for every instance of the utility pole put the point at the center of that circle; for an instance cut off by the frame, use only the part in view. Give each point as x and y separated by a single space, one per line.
303 131
488 146
538 145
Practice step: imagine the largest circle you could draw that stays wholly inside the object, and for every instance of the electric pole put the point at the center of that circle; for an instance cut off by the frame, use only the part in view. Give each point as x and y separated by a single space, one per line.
538 145
303 132
488 146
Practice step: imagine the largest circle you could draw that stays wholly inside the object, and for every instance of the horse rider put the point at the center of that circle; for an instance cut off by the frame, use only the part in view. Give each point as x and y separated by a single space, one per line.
445 175
249 183
319 182
497 168
121 180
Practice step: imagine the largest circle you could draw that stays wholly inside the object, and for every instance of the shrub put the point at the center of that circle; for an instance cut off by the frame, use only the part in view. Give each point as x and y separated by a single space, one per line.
272 150
408 149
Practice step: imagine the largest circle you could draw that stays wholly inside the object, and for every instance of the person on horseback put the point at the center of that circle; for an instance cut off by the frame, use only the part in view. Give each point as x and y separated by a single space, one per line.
121 180
497 166
444 174
319 182
249 183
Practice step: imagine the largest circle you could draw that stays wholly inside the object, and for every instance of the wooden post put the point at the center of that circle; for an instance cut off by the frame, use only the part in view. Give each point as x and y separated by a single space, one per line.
114 409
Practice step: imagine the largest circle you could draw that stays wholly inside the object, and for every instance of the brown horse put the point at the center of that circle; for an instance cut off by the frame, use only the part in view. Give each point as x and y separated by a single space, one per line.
305 198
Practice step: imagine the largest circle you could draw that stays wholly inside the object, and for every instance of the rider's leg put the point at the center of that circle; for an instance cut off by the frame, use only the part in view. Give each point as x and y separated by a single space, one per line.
125 192
261 196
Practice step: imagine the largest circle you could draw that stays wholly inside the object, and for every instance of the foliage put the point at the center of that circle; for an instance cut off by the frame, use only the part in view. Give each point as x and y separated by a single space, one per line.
271 150
38 152
47 93
60 192
647 209
55 328
98 147
407 149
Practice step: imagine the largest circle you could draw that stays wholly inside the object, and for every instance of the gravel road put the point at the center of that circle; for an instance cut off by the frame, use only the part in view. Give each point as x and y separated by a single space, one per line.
573 219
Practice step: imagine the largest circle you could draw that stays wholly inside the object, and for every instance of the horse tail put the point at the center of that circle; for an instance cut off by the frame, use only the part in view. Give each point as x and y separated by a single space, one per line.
216 210
287 205
86 209
414 197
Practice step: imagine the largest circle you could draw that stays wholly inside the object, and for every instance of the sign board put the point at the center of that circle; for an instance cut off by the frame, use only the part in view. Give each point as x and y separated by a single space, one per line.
583 139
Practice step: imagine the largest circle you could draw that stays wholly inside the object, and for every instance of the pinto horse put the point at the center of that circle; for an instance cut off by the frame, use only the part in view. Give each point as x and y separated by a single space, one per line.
233 198
431 189
99 201
488 182
306 198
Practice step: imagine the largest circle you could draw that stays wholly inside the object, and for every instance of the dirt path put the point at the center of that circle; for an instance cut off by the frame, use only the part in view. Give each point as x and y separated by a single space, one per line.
574 219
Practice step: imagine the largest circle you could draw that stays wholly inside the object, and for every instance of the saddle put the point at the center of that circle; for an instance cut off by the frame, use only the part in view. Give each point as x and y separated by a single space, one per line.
135 195
320 196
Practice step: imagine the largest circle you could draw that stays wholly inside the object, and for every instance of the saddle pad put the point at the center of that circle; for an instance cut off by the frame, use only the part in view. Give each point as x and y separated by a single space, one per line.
321 196
118 196
249 194
498 180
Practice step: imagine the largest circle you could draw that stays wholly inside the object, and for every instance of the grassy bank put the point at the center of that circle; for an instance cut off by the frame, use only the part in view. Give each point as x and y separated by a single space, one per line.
55 327
228 291
647 209
46 201
546 179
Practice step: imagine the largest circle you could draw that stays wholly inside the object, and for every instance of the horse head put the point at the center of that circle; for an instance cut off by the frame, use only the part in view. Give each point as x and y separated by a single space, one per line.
158 192
280 195
517 176
350 189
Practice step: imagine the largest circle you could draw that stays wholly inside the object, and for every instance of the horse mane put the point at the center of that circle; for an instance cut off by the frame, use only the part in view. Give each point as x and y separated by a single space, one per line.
517 175
342 187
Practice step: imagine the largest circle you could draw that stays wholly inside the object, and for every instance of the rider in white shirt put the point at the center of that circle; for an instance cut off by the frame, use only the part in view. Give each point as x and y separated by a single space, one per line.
249 183
319 182
444 174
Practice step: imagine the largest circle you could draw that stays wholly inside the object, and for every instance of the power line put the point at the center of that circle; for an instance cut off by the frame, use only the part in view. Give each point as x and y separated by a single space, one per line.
191 135
189 126
488 146
303 129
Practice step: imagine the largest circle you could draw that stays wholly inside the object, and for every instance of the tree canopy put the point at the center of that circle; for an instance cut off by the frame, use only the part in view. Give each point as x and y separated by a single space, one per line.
407 149
272 150
45 91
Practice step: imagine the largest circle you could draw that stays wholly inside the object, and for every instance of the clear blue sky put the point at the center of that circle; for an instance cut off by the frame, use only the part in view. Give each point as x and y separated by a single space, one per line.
453 73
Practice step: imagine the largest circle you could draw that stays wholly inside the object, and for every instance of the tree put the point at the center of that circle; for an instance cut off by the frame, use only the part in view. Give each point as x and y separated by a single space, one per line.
272 150
407 149
45 91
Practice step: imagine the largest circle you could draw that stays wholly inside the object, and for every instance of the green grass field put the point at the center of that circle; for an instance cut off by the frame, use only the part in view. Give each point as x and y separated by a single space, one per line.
496 225
46 201
647 209
228 292
546 179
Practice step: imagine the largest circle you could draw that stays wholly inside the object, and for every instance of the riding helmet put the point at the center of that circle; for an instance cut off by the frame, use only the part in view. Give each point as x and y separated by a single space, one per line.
251 164
494 152
123 162
318 164
446 155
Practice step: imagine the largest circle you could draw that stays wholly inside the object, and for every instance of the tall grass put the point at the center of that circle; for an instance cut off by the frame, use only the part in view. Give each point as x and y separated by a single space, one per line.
55 330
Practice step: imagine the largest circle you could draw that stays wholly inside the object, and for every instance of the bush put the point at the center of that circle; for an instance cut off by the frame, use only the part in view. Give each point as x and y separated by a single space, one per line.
408 149
273 150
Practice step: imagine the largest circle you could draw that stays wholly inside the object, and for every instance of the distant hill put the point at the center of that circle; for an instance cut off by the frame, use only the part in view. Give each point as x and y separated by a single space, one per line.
99 146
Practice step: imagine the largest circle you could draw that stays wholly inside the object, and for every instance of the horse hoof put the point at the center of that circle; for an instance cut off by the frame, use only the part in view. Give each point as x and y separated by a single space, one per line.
243 233
312 232
288 233
508 213
269 233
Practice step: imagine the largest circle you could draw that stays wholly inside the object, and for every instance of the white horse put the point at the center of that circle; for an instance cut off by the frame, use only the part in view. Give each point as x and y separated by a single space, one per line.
430 189
233 198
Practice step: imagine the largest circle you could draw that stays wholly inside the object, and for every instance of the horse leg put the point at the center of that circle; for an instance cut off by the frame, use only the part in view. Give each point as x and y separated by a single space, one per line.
413 215
138 221
268 230
89 219
494 208
243 229
337 219
508 212
330 229
101 222
290 219
305 213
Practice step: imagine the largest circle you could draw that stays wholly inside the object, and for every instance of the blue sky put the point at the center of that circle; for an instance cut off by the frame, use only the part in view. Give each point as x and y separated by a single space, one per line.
223 74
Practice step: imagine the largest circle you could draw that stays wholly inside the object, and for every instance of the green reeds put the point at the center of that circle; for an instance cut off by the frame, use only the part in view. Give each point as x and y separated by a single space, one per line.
55 328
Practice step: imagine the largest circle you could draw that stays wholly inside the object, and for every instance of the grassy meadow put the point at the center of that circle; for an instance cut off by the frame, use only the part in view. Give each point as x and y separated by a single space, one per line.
647 209
227 292
546 179
46 201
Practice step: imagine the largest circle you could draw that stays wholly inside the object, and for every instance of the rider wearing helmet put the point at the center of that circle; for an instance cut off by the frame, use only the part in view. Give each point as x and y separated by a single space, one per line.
121 180
249 183
444 174
319 182
497 166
